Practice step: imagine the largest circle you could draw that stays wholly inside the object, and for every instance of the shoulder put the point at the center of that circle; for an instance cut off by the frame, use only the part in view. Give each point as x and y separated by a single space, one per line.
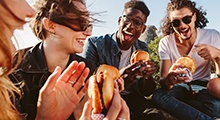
141 42
208 31
21 54
141 45
167 39
30 58
100 39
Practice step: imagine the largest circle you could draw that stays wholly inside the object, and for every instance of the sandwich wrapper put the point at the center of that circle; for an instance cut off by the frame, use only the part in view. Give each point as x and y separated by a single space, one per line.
97 116
188 74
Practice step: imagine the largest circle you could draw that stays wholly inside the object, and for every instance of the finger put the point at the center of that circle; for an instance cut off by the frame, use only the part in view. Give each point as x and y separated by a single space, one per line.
68 71
77 72
83 90
121 84
116 86
207 57
175 66
81 79
202 51
115 106
198 47
86 113
124 113
136 65
51 81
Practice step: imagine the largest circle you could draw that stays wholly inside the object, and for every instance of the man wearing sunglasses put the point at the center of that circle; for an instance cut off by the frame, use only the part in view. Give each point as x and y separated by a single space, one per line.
183 27
116 49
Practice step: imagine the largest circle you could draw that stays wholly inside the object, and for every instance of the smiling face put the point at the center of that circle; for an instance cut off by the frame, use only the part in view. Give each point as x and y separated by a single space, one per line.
185 29
69 40
69 36
131 26
74 39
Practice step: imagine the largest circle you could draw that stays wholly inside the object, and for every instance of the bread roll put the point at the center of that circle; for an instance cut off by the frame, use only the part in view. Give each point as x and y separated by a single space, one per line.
139 55
101 87
188 62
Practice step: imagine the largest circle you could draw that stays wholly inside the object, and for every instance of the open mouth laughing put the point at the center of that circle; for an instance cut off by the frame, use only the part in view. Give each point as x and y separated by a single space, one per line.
128 35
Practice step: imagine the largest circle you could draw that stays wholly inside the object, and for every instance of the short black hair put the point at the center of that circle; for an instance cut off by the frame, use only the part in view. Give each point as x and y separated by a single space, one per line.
137 4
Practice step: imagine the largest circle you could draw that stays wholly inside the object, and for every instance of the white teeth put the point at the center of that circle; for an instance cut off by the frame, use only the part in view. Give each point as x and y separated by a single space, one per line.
82 41
185 30
128 33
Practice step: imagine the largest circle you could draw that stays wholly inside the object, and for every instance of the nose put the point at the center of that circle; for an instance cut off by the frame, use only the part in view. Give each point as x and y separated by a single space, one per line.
131 24
31 13
87 33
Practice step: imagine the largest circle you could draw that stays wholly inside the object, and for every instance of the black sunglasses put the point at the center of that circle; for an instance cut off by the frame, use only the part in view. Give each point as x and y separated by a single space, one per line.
187 19
86 28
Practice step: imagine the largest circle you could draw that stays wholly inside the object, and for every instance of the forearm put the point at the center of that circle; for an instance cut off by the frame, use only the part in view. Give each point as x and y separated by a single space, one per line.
217 65
165 84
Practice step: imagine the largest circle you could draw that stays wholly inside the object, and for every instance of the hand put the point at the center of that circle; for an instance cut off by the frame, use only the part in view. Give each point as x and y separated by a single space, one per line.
206 51
149 69
118 109
173 75
140 68
120 83
130 71
62 92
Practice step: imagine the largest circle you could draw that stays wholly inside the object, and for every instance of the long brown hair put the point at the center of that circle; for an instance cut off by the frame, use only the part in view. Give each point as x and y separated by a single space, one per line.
7 88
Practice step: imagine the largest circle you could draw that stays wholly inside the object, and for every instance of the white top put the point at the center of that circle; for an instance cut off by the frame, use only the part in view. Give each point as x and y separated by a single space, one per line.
125 58
168 51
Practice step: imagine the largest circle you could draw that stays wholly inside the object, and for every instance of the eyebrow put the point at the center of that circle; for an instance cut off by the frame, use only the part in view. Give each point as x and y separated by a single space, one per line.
137 17
183 16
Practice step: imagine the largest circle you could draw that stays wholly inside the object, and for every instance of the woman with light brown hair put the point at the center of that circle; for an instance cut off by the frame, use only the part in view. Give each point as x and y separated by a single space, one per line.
12 16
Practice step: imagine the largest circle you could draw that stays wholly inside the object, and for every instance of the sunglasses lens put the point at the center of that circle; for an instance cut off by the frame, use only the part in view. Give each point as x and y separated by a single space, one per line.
175 23
89 28
187 19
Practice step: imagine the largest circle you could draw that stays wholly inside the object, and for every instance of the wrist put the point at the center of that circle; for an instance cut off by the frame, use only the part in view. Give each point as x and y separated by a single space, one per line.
165 83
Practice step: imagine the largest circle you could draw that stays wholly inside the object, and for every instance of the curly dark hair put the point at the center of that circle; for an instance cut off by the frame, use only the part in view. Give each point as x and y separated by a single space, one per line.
138 4
200 22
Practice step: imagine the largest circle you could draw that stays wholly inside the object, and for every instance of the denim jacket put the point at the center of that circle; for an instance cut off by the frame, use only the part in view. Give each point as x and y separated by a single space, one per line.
30 75
105 50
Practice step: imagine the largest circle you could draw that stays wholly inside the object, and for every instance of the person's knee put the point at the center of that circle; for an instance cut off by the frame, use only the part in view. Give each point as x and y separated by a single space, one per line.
213 87
157 96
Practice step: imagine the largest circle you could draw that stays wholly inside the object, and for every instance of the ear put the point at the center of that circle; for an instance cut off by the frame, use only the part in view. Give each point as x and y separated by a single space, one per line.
195 17
143 29
119 20
48 25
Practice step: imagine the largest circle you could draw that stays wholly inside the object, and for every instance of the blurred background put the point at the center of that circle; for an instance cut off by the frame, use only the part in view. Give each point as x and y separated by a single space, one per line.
110 10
